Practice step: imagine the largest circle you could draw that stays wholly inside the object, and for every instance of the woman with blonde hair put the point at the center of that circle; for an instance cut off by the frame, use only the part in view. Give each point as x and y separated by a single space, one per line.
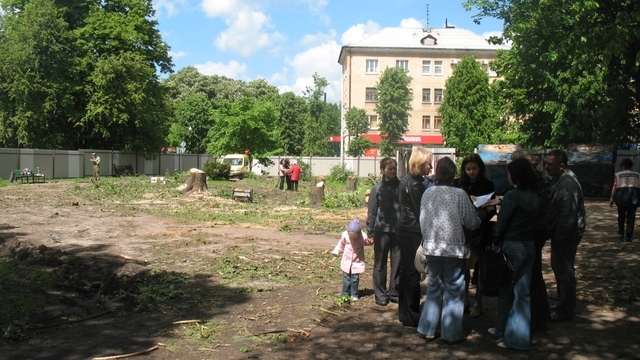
410 193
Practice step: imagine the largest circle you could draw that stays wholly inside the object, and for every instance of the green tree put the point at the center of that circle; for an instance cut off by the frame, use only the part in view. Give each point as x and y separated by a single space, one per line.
394 104
318 126
294 114
573 71
193 119
243 124
468 115
357 123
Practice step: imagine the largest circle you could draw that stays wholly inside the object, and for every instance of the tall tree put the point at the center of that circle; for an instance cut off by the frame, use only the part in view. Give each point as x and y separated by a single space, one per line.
357 123
394 104
193 119
294 114
469 117
573 71
317 129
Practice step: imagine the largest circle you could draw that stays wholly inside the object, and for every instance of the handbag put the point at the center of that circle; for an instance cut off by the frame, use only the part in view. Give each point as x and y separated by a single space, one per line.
420 261
496 271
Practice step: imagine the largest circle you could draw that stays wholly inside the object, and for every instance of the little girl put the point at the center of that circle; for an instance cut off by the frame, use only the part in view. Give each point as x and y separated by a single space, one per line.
351 244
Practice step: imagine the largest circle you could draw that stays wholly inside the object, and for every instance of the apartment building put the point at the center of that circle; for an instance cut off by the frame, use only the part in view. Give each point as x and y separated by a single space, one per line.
429 57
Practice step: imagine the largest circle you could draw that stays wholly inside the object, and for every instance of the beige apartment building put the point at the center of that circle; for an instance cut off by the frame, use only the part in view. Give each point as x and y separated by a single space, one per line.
429 57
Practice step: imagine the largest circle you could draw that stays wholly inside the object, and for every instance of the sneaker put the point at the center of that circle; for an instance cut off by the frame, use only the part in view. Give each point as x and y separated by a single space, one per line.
354 298
502 345
492 331
476 311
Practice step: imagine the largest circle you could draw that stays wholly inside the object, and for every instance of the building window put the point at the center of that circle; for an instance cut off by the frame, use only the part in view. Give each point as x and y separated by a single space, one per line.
403 64
426 96
373 122
437 69
437 122
491 72
426 67
426 122
371 95
372 66
437 96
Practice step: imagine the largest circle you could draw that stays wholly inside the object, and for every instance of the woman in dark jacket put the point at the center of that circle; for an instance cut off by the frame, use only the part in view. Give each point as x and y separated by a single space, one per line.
412 187
382 218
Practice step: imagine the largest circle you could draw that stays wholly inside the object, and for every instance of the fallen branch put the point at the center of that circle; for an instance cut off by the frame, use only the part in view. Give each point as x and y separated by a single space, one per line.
127 355
302 253
247 317
69 321
330 312
186 322
269 332
214 348
304 333
318 290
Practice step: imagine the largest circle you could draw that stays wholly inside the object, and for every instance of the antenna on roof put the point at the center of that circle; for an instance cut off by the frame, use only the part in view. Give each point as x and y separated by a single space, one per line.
446 24
427 29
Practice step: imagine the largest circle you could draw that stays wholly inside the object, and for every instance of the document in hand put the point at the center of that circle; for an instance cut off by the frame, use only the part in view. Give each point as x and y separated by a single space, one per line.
481 200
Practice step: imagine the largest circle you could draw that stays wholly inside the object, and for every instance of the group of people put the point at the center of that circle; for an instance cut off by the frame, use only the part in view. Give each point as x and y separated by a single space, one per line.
289 173
438 213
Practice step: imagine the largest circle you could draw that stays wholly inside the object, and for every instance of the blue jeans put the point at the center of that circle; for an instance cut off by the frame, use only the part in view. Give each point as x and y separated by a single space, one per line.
514 302
563 259
350 284
444 306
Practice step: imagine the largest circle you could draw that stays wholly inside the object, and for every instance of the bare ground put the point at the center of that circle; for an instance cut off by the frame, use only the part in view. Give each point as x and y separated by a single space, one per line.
105 254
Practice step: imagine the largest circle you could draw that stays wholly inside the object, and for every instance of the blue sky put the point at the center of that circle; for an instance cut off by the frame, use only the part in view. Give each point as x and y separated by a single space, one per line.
286 41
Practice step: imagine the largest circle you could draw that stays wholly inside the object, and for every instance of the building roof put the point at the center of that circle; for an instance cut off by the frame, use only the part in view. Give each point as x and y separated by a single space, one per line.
419 38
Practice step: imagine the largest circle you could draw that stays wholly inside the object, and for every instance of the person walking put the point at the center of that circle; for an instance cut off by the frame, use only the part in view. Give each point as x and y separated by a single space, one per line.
382 218
624 194
410 193
351 245
295 172
514 234
95 160
445 213
566 222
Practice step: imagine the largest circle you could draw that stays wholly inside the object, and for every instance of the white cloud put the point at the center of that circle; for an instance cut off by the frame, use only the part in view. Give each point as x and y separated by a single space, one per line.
411 23
360 32
177 54
169 8
214 8
321 59
318 38
233 69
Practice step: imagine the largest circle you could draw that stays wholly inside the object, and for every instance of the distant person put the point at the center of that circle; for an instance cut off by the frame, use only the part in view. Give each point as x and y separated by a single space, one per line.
295 172
95 160
382 218
282 172
351 245
446 212
287 173
410 193
566 222
625 194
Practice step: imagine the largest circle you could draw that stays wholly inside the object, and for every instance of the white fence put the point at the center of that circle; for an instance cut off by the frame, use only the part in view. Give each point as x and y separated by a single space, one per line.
56 164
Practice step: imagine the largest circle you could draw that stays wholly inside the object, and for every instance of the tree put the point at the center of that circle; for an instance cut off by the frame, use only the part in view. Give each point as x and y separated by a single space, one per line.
394 104
572 73
243 124
468 115
357 123
317 128
82 74
294 114
193 119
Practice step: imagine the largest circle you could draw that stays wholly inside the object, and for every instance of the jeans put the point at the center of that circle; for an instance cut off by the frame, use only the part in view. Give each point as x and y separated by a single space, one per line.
350 284
282 182
514 301
628 214
409 287
444 306
383 243
563 258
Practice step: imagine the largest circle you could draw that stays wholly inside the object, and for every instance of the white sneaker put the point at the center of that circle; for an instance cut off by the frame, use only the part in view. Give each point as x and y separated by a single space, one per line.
354 298
502 345
492 331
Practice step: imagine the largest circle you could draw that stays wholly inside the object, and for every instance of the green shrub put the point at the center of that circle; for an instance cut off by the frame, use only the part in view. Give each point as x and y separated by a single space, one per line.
340 173
217 170
306 170
347 200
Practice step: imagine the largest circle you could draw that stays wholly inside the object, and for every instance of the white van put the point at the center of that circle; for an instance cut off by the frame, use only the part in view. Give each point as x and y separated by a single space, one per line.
239 165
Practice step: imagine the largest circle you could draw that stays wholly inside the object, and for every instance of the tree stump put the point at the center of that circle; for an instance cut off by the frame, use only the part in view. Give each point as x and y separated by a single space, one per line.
196 182
317 195
352 183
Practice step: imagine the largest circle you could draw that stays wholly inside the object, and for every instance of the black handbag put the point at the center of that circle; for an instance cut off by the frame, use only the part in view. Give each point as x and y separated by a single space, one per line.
496 271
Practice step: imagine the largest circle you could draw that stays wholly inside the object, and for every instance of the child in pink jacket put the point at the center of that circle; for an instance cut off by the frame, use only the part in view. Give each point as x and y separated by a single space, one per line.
351 244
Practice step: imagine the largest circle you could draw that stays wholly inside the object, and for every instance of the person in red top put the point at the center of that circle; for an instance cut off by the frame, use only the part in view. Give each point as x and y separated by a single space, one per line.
295 172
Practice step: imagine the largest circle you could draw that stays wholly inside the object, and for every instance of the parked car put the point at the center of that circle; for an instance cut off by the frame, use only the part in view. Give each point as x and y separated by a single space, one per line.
240 165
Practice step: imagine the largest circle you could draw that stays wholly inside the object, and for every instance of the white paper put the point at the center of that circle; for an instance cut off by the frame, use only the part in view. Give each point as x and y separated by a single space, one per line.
481 200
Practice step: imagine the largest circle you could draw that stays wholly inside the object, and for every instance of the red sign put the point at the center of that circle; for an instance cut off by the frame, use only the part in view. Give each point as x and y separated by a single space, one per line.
410 139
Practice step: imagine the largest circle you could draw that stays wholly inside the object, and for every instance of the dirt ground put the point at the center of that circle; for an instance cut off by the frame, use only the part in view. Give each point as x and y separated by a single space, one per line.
102 253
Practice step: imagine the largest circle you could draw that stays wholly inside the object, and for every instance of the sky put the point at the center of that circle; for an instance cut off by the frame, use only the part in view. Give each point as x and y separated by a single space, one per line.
287 41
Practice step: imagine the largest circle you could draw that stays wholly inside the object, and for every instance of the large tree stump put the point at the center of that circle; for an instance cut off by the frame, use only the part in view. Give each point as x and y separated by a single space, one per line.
317 192
196 182
352 183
